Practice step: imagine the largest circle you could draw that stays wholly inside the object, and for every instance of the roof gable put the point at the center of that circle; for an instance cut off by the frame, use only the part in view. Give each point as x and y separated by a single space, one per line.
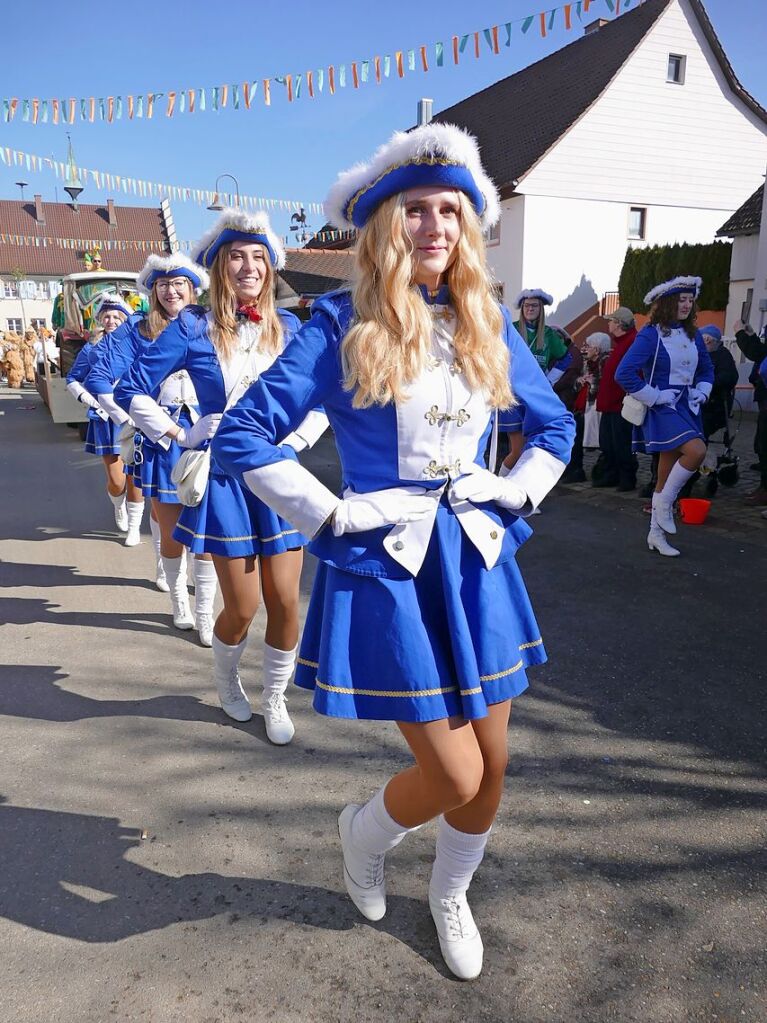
745 220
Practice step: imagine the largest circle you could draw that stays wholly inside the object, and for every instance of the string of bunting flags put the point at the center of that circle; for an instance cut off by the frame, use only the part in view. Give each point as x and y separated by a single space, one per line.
147 189
123 245
241 95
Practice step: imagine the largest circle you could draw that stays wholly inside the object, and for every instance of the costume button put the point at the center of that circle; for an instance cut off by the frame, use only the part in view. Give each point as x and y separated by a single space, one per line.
398 545
494 534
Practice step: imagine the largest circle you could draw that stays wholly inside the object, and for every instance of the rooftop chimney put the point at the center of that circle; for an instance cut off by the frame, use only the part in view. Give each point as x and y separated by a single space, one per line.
594 26
111 215
39 212
424 111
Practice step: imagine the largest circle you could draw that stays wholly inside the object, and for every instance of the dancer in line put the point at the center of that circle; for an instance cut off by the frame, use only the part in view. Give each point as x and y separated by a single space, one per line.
102 434
546 344
169 282
224 351
419 613
669 370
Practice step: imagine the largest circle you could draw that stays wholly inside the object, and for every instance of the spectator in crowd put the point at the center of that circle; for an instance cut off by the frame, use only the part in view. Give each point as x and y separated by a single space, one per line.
543 341
717 409
755 349
567 388
595 350
620 464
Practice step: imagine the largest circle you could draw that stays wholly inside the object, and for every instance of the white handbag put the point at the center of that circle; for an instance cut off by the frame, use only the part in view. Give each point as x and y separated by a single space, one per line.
190 473
632 409
127 446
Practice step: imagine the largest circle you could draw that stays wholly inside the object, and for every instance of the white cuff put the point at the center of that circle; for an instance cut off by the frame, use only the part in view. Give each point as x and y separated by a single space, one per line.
554 374
536 472
308 432
153 421
648 394
75 389
112 409
704 387
294 493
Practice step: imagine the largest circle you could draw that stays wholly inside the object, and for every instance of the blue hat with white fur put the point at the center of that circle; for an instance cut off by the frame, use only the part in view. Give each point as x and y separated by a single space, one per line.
174 265
238 226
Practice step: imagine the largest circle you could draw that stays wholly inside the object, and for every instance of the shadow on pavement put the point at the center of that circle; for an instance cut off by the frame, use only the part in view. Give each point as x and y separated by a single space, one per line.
15 574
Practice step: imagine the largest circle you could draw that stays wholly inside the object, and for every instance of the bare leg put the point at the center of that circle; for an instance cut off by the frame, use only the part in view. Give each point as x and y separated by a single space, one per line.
280 576
690 456
241 593
167 516
113 467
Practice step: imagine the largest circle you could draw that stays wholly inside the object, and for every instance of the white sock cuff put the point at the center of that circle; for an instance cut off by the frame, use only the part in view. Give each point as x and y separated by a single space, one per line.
465 840
118 500
154 527
219 647
172 566
204 570
276 658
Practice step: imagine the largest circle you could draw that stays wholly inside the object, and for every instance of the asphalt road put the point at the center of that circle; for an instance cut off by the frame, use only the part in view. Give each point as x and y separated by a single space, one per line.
160 863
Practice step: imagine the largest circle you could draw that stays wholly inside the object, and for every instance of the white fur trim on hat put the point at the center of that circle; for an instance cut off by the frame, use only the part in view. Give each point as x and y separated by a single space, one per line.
165 264
111 298
677 284
544 296
405 147
248 223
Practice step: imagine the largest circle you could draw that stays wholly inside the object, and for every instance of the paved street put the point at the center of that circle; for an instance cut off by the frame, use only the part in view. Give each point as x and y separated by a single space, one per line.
160 863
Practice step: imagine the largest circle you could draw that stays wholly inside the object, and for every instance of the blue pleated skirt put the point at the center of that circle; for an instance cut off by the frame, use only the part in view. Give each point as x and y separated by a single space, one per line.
667 427
101 436
152 468
233 522
449 642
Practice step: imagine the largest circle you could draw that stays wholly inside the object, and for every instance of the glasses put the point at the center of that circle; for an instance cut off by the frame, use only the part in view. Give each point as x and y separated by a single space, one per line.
178 286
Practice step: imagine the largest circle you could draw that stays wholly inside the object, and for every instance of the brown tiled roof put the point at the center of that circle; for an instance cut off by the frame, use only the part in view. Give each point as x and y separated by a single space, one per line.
316 271
329 237
88 222
745 220
517 120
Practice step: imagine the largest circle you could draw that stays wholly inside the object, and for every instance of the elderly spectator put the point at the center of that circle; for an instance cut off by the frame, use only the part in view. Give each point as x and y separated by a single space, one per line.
619 462
594 351
717 409
755 349
567 388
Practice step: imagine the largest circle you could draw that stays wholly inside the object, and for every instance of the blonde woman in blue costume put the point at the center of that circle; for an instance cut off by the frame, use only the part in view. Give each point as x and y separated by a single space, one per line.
254 550
110 312
170 283
419 613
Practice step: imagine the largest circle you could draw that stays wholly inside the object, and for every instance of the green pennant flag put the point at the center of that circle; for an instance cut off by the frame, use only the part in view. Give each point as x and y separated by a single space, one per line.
507 26
182 102
488 37
102 110
119 106
202 100
25 110
462 43
44 111
527 23
364 70
139 106
235 90
411 60
551 18
342 76
439 53
297 80
387 65
578 9
610 4
215 97
320 78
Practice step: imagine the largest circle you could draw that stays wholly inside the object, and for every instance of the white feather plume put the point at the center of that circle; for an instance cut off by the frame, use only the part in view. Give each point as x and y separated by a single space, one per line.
165 264
544 296
248 223
433 139
692 284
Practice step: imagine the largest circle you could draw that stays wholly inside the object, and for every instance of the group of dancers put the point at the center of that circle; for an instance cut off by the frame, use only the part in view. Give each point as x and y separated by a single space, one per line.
419 614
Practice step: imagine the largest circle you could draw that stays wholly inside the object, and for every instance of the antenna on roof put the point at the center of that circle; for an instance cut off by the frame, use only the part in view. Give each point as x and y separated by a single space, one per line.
73 186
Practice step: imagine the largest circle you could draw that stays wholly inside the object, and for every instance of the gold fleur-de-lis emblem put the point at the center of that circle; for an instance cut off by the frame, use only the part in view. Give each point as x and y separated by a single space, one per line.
434 417
456 368
432 362
462 416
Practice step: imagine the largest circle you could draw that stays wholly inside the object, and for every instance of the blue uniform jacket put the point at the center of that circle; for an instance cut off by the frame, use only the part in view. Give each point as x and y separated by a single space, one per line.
671 370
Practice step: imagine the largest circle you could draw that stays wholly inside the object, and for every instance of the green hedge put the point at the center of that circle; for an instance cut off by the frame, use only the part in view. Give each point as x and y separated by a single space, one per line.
644 268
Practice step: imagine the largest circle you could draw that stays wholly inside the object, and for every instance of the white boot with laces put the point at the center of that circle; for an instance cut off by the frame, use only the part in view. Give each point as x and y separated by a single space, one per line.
204 573
278 668
121 512
226 660
160 579
135 515
663 513
656 538
175 574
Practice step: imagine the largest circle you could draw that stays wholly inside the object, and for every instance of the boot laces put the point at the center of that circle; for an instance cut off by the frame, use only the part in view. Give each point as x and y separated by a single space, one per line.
374 873
275 704
457 917
234 690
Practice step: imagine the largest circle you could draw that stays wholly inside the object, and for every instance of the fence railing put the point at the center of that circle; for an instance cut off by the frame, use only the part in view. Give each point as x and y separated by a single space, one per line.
610 302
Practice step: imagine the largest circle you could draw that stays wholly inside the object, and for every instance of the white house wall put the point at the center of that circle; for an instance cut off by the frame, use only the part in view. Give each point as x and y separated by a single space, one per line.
743 262
505 256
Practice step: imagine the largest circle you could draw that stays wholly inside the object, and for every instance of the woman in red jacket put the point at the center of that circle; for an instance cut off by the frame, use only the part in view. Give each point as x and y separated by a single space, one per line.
620 464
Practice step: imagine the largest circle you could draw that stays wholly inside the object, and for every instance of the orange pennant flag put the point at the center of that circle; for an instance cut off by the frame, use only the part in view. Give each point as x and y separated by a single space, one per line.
190 95
310 83
171 104
35 110
543 24
494 32
568 22
246 94
424 60
224 95
586 5
455 49
55 111
332 79
400 67
476 44
130 107
268 92
110 108
71 118
289 83
377 65
355 76
92 109
150 104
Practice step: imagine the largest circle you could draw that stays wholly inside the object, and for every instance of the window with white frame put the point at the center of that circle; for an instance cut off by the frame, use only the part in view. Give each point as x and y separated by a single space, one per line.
677 63
10 289
39 324
493 234
637 223
14 325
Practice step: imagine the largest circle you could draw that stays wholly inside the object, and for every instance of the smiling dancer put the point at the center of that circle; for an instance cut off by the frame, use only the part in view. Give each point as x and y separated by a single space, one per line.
419 613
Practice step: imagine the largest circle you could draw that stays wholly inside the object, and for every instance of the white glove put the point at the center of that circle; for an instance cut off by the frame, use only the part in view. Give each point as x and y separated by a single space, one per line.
482 486
90 401
667 397
202 430
358 513
695 398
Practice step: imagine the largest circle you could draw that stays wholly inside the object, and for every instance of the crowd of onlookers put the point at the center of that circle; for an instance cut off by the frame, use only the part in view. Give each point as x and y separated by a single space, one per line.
21 354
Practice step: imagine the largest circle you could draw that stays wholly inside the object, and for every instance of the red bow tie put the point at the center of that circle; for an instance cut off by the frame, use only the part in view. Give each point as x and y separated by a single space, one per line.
248 312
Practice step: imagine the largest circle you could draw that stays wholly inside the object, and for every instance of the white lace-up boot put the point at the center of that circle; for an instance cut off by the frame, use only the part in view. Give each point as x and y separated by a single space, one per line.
179 598
204 597
135 515
121 512
278 668
226 660
160 579
656 538
663 513
458 856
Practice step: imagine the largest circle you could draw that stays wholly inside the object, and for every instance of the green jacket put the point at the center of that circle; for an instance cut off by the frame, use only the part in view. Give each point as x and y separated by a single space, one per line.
553 345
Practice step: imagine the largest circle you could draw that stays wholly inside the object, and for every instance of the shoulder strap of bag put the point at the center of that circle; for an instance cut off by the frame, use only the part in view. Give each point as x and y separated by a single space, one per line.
494 443
657 349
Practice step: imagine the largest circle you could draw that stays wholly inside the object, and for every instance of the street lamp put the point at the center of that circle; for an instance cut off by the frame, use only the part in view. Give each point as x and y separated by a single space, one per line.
22 185
216 206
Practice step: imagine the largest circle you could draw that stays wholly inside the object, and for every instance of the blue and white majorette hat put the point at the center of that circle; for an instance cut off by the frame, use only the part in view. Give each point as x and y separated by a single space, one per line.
539 293
111 302
434 154
174 265
238 226
674 287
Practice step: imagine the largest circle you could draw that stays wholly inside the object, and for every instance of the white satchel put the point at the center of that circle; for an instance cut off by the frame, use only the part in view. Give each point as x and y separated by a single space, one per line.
632 409
127 444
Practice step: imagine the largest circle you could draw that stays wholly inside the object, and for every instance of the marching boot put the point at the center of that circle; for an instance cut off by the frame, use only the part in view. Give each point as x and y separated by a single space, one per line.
278 668
160 579
458 856
656 538
121 512
226 660
367 833
135 515
675 481
663 513
179 598
204 595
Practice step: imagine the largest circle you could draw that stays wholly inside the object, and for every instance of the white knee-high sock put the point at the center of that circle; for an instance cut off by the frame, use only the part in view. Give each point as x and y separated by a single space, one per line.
374 830
458 856
135 514
176 575
205 582
154 526
278 667
226 658
118 500
676 480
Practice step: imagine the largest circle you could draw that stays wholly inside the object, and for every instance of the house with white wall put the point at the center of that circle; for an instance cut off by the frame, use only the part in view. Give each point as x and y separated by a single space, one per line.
624 137
747 228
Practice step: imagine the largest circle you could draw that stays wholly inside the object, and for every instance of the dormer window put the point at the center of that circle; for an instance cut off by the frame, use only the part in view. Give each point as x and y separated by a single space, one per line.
676 68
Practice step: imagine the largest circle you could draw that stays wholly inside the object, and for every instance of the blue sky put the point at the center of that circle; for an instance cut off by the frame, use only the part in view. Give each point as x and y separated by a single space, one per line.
288 151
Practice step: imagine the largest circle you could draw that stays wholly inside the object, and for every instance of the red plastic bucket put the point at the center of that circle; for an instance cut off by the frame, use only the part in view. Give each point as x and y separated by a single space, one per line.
694 510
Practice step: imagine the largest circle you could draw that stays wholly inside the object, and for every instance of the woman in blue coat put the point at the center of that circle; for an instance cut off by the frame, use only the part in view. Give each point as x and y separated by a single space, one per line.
102 434
224 351
418 613
669 370
170 283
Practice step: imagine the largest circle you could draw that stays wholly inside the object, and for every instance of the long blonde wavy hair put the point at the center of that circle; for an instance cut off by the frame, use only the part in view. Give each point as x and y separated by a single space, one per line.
157 319
223 304
387 346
